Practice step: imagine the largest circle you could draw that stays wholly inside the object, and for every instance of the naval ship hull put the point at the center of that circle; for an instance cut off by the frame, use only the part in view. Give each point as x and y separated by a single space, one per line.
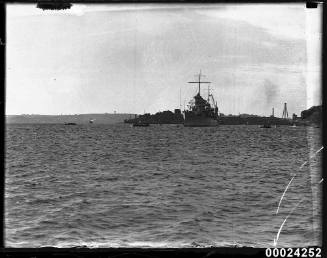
201 120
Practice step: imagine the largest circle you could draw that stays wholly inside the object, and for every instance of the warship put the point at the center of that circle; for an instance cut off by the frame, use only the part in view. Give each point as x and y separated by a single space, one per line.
200 111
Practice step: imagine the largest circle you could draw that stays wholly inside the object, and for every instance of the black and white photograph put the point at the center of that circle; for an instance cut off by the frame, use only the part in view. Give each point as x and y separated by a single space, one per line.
152 125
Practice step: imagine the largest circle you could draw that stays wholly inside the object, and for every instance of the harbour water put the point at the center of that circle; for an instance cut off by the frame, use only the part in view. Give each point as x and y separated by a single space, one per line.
161 186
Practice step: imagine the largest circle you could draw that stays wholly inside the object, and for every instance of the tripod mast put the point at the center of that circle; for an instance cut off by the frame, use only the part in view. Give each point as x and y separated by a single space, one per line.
199 82
285 112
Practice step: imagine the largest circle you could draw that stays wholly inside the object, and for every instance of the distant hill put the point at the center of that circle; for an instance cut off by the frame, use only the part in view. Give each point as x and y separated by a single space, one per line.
312 115
61 119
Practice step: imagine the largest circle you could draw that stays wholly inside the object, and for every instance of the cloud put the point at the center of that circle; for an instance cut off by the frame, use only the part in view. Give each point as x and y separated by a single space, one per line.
271 92
281 20
139 60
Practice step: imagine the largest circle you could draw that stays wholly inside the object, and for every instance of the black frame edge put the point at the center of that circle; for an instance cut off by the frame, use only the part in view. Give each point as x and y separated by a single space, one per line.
215 252
324 133
2 110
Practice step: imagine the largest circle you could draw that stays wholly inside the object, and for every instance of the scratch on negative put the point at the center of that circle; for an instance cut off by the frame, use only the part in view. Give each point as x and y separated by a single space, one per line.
280 229
312 157
280 201
303 164
319 149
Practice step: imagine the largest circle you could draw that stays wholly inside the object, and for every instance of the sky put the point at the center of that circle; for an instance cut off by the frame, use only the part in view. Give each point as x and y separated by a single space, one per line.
136 58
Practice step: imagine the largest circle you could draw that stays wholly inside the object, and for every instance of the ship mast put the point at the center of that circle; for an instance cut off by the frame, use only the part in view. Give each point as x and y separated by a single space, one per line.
180 98
199 82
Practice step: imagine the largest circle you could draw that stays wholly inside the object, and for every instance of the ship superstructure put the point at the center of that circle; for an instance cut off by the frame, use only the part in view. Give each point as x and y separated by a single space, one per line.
200 111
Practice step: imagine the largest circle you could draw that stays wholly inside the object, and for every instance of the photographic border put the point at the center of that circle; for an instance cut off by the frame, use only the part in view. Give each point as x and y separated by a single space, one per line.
147 252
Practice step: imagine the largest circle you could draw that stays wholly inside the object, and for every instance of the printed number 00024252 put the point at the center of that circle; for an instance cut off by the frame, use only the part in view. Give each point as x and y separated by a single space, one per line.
293 252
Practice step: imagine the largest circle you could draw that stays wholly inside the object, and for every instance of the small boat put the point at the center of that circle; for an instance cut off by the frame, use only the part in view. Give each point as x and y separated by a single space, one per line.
91 121
70 123
265 126
294 125
139 123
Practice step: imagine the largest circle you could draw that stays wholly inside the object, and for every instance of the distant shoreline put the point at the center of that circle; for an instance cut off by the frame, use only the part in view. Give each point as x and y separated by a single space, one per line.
105 118
310 116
